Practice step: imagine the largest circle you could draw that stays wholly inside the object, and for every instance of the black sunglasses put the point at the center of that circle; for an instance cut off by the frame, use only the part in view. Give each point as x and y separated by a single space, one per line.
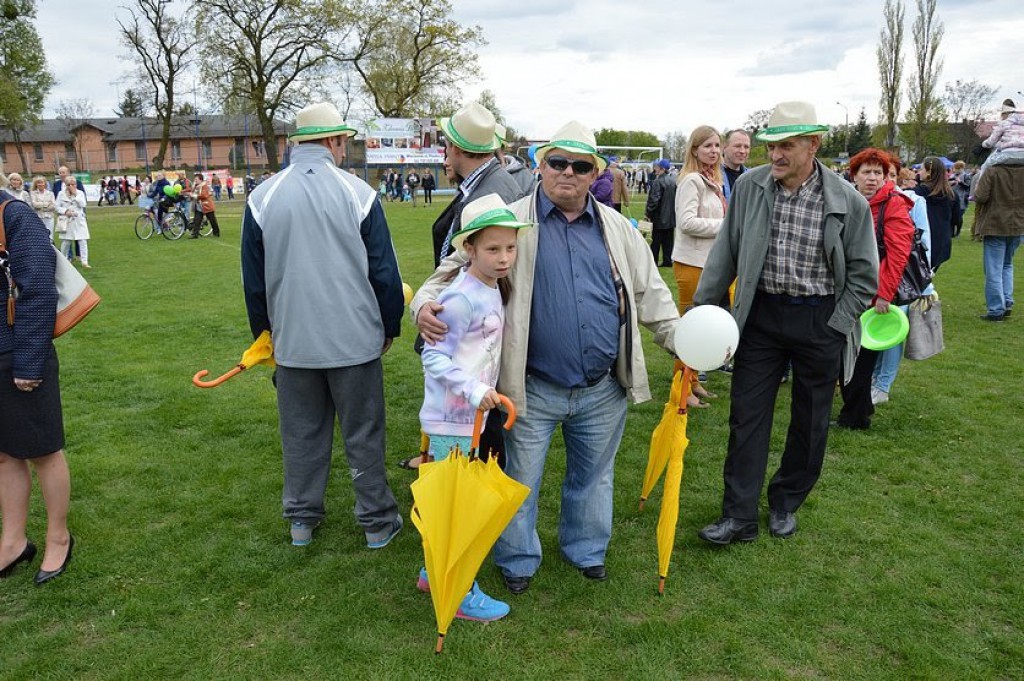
560 163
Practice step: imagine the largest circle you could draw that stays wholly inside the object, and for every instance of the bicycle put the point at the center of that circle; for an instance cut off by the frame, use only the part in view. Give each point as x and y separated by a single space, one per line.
172 226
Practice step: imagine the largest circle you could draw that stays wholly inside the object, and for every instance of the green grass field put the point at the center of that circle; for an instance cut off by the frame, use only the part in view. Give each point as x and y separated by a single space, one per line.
908 562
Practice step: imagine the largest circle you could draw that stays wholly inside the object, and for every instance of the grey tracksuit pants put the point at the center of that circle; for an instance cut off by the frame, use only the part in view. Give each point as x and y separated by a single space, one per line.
307 400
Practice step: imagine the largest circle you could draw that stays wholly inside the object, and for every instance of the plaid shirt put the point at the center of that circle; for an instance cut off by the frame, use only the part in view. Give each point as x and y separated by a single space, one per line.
795 264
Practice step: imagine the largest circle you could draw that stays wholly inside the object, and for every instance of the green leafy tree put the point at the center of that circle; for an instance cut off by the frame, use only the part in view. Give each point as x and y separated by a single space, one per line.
411 55
265 56
860 134
889 54
25 79
609 137
675 145
161 45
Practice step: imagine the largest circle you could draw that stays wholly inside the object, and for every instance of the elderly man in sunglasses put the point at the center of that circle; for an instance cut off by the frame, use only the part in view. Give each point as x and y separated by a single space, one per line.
572 356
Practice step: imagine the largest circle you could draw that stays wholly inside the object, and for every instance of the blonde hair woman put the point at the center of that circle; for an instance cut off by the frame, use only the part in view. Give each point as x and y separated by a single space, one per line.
700 210
43 203
16 187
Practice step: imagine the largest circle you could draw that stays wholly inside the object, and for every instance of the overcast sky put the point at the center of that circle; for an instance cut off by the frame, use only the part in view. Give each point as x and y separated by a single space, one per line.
659 65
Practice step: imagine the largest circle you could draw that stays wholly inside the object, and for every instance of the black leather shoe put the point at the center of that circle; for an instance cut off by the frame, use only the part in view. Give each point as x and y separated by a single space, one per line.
598 573
44 576
781 524
727 530
517 585
26 557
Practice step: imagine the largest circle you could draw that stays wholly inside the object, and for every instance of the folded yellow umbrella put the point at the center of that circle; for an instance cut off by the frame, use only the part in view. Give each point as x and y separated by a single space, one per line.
461 506
260 352
668 446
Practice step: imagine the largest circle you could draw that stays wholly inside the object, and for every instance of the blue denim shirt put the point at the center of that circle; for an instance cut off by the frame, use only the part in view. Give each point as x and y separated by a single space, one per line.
574 317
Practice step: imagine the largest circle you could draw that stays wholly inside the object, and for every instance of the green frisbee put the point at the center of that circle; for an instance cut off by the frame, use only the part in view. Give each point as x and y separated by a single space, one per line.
883 331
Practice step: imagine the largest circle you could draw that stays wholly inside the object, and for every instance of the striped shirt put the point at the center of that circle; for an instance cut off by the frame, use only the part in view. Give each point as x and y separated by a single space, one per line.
796 264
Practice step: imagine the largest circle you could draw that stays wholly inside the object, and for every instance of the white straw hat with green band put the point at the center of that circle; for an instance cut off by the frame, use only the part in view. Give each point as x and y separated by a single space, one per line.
791 119
318 121
487 211
471 129
576 138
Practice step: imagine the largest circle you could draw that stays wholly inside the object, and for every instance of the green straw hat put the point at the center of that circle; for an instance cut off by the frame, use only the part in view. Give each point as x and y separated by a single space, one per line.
487 211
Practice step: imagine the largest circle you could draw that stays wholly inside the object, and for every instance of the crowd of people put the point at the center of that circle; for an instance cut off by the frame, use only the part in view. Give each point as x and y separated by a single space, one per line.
540 289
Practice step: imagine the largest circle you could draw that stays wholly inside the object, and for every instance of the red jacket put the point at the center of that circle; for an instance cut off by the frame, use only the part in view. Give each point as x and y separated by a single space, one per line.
899 237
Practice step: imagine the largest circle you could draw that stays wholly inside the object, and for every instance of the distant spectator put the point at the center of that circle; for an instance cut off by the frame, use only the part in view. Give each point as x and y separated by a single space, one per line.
16 187
734 155
942 205
1000 226
661 211
43 202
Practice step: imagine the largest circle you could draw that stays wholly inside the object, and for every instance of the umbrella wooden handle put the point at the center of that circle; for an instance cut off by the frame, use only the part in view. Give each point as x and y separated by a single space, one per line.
478 423
199 383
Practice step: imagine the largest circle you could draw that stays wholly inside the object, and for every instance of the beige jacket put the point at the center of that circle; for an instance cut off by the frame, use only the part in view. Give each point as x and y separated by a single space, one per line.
648 302
620 190
699 215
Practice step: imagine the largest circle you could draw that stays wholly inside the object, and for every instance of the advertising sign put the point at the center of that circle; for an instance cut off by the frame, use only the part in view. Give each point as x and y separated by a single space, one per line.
396 141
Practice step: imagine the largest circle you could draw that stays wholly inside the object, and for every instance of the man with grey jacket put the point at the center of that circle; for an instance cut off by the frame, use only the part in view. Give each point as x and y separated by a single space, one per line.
799 242
319 272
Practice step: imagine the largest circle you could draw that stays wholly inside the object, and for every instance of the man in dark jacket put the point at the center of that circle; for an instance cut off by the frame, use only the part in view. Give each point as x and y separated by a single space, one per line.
661 211
999 224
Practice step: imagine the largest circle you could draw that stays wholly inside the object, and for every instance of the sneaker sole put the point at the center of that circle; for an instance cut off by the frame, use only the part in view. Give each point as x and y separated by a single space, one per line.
387 540
301 542
463 616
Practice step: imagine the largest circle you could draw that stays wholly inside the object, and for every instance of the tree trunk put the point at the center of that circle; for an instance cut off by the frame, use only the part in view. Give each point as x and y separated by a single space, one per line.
165 136
269 139
16 134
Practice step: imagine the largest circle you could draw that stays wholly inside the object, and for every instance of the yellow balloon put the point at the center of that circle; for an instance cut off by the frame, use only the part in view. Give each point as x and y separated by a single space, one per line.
407 290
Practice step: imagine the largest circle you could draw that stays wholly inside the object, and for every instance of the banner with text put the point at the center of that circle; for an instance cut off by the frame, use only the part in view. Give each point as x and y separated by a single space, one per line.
408 141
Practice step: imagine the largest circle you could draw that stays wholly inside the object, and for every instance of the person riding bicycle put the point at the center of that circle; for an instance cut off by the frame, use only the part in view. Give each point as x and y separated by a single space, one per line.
156 192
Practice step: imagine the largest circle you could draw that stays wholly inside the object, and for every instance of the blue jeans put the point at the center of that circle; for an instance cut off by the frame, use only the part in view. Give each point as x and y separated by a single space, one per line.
592 421
888 364
998 258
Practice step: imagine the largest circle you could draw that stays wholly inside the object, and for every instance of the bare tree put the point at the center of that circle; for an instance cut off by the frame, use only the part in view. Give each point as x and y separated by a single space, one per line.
266 56
73 113
967 102
161 45
757 120
890 67
675 145
925 109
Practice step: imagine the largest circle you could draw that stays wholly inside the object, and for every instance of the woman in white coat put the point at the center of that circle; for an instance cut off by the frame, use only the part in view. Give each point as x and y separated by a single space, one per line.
700 211
71 224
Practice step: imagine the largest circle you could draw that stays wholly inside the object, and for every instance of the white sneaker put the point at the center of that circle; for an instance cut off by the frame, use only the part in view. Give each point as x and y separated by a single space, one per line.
879 396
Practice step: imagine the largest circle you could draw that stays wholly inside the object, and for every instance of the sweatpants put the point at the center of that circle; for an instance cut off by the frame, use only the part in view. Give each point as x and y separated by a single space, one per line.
307 401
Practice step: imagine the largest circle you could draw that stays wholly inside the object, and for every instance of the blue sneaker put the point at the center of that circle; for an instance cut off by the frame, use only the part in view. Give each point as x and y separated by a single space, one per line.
302 532
378 540
480 607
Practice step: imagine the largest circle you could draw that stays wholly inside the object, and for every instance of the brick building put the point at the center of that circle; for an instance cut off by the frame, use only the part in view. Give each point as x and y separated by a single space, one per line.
104 146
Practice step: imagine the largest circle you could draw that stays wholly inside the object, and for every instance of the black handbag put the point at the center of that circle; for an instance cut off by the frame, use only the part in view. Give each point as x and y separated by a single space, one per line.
917 275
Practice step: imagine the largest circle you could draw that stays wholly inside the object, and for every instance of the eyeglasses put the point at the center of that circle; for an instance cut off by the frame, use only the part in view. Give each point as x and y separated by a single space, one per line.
560 163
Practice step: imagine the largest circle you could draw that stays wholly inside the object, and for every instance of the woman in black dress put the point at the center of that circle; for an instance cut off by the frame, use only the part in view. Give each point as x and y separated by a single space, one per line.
31 422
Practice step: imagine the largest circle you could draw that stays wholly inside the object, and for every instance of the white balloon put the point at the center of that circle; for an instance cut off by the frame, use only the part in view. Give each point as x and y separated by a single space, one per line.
706 337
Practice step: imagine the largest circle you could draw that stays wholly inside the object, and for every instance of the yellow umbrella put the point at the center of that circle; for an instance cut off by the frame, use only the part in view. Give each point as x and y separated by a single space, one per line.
668 445
669 432
260 352
462 505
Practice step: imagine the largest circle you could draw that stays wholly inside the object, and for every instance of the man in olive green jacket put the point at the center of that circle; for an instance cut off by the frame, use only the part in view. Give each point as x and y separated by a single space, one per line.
799 242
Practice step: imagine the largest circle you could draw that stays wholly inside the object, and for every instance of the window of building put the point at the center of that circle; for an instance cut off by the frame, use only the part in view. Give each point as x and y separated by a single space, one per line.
37 152
207 150
140 151
176 150
111 153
